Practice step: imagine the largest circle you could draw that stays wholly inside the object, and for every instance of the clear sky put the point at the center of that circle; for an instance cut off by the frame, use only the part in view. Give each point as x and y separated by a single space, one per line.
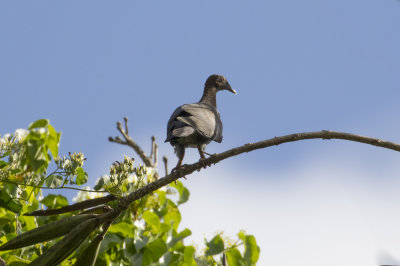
296 65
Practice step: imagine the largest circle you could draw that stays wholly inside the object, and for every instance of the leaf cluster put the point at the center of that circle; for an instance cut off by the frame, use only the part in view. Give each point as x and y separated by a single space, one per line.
147 233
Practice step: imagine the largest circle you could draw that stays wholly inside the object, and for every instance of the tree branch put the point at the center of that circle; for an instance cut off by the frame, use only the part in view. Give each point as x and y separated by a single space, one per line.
188 169
129 142
124 202
74 207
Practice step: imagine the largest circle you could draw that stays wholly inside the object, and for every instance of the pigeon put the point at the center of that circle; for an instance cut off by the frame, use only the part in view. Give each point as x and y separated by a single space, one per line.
196 125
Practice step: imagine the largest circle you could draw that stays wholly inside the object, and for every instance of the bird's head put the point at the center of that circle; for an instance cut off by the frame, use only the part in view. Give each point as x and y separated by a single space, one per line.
219 82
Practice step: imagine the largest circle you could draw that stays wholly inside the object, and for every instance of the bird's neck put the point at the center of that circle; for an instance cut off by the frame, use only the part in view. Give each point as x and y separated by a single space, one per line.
209 96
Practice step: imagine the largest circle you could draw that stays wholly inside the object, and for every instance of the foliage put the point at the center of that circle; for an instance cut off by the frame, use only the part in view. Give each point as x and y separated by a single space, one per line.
147 233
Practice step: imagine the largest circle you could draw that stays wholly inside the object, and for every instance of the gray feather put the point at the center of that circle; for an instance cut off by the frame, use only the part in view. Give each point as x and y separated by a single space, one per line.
182 132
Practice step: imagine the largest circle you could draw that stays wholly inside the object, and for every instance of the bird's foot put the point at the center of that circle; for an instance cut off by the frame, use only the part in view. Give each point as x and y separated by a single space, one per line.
178 168
203 163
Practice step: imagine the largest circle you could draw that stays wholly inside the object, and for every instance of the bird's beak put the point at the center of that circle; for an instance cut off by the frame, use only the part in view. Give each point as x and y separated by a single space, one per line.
229 88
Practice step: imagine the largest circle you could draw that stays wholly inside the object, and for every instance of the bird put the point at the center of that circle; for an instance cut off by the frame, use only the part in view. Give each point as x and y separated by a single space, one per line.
196 125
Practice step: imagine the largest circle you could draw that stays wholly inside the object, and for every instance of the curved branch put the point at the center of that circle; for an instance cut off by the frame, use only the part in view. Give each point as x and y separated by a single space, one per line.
188 169
130 142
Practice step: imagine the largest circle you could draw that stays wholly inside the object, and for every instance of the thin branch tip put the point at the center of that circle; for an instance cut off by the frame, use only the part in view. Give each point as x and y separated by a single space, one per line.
131 143
126 125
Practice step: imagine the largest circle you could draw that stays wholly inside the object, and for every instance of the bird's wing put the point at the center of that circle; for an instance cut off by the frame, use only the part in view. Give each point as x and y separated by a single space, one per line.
183 131
176 128
204 119
218 129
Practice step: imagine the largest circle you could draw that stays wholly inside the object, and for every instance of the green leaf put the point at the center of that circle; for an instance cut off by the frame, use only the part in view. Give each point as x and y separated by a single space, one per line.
9 203
89 256
153 251
4 164
33 206
234 258
178 237
242 235
140 242
162 195
100 184
36 154
110 241
39 123
19 263
30 221
152 220
183 192
81 176
137 259
173 218
54 181
165 227
53 140
31 192
215 246
13 260
188 256
129 247
171 213
252 251
123 229
54 201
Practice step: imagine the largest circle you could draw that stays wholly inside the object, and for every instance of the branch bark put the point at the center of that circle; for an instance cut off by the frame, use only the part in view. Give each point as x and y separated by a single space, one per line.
188 169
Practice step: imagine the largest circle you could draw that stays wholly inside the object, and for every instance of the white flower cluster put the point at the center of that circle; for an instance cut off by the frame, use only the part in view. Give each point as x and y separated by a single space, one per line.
70 164
20 134
5 140
125 178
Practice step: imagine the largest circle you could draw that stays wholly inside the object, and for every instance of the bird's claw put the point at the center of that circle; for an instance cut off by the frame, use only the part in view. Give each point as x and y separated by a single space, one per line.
178 168
203 163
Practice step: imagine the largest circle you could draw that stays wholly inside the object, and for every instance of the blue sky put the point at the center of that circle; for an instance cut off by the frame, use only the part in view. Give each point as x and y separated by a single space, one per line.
296 65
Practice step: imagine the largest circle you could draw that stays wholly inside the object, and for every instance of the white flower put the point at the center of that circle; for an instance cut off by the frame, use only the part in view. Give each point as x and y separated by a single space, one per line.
40 197
67 163
131 179
139 224
151 171
5 139
20 134
106 179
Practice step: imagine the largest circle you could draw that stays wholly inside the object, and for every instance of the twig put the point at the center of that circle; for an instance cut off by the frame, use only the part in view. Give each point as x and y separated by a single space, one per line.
73 188
155 155
129 142
153 142
165 160
126 125
188 169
